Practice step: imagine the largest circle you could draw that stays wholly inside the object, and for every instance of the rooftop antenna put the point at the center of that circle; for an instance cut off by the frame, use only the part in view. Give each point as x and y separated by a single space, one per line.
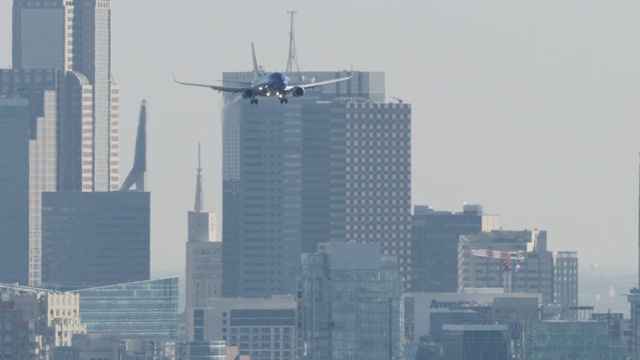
293 56
199 198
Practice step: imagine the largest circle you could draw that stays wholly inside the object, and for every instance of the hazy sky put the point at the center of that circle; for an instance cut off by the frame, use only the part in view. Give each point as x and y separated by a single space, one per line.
527 107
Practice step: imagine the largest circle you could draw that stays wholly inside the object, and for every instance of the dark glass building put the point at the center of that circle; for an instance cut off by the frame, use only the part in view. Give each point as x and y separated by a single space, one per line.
434 254
486 342
95 238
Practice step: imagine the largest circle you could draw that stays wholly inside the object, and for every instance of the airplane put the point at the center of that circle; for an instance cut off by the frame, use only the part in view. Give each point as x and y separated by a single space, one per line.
266 84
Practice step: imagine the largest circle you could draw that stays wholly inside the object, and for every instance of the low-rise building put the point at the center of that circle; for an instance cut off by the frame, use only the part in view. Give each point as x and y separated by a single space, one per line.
260 328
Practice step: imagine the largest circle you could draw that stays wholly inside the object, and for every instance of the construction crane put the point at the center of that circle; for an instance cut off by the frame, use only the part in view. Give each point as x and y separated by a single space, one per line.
506 259
397 99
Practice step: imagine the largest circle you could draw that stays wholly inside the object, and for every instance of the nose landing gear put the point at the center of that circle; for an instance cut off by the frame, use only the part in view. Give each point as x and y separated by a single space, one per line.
254 101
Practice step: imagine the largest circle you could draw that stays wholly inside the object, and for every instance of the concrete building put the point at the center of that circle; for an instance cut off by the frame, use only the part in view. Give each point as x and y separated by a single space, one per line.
95 239
333 165
427 313
75 36
28 114
53 317
204 252
434 251
565 279
350 304
260 328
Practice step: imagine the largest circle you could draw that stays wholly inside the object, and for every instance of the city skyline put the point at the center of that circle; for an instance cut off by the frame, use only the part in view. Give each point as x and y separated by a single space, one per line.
535 97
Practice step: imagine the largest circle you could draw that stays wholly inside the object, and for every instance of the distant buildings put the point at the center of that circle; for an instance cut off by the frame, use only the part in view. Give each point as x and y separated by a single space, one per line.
434 251
350 304
95 238
62 67
260 328
52 318
28 115
473 341
330 166
74 38
554 275
204 252
146 309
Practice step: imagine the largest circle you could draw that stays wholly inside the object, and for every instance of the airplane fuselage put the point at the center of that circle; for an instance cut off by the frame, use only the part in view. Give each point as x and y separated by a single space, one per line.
270 84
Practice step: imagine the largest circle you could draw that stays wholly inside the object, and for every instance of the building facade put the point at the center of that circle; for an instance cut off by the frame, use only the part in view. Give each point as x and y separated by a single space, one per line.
95 239
143 308
554 275
75 36
350 304
28 115
53 316
260 328
462 342
333 165
434 251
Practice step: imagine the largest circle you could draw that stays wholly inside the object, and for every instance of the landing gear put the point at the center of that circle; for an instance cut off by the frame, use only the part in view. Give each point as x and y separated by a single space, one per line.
254 101
284 100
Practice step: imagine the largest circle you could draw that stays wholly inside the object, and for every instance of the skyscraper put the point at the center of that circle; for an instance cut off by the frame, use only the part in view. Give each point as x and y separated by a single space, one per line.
204 252
75 35
330 166
28 113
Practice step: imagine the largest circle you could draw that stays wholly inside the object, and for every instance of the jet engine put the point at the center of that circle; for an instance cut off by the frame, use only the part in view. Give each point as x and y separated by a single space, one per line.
297 91
248 94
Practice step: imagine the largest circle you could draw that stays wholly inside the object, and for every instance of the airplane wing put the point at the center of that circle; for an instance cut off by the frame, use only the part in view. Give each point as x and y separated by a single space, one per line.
232 89
316 84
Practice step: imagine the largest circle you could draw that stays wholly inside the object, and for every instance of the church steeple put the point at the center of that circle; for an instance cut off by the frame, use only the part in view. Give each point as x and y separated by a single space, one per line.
199 198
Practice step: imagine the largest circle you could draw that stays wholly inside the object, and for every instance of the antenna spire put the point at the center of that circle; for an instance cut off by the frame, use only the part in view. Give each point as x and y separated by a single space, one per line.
293 56
199 198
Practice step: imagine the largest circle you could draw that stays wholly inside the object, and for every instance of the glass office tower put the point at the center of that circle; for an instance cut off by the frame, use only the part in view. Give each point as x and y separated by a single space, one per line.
350 304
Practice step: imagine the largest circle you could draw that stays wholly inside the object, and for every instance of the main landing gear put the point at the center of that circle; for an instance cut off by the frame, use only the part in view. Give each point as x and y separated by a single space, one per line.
284 100
254 101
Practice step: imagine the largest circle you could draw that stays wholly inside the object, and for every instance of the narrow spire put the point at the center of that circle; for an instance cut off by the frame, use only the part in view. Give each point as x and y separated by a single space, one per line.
199 198
138 173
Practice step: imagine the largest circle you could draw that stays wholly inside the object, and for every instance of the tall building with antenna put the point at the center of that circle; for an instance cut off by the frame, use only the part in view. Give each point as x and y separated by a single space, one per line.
333 165
204 252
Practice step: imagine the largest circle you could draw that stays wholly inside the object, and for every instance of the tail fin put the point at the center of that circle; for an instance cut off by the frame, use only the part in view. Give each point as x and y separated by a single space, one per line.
256 72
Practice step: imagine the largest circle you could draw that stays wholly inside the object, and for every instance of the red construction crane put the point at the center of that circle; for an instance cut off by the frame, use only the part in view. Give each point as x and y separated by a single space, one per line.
506 258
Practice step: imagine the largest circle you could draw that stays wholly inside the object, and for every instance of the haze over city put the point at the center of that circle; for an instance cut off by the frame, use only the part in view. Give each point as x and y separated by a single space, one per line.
529 108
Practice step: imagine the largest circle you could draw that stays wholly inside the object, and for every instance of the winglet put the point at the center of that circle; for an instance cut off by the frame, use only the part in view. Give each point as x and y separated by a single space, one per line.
174 77
256 71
